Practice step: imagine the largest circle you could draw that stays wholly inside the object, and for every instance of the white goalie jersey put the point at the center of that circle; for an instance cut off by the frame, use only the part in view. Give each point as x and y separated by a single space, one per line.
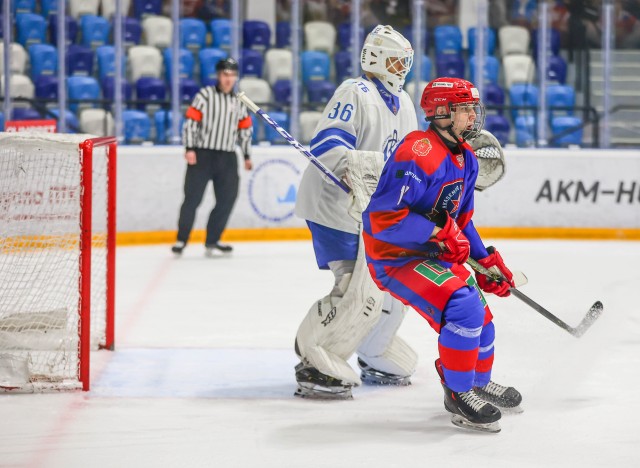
359 116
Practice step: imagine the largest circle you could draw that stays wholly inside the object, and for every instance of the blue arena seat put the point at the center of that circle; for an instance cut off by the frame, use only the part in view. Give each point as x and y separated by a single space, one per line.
193 34
23 6
344 36
282 92
489 41
523 10
553 41
163 121
407 32
31 29
95 31
320 91
283 34
569 127
48 7
208 61
221 33
137 126
44 60
499 126
71 28
560 96
256 123
106 58
448 40
70 119
342 61
493 96
1 33
132 31
188 90
81 88
186 63
525 130
282 119
450 65
251 63
142 8
523 94
426 69
315 66
108 89
79 60
1 121
25 113
46 87
557 69
150 89
256 35
491 69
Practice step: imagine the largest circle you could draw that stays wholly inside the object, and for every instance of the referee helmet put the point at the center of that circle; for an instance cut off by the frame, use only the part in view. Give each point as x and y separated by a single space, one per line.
227 64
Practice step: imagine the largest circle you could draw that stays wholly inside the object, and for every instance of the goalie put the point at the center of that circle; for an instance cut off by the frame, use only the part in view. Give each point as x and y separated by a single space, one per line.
363 121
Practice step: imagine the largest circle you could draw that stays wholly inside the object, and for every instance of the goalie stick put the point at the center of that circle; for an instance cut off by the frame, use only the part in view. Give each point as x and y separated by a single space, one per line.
578 331
591 316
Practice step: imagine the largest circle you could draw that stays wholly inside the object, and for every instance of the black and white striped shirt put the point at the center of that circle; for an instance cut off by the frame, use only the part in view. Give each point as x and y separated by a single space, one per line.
217 121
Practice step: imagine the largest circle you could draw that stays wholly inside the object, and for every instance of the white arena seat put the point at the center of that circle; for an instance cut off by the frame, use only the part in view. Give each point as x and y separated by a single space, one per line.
278 65
78 8
518 68
320 35
109 7
21 86
157 31
308 123
514 40
257 89
144 61
92 121
18 59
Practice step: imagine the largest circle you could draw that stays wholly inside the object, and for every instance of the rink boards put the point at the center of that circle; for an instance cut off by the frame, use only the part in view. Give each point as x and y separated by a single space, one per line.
545 193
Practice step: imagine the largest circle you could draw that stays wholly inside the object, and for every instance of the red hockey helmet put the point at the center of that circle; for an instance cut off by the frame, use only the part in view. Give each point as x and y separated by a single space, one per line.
442 96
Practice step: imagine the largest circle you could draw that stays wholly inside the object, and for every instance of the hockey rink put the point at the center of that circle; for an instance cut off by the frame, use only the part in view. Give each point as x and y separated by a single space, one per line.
203 372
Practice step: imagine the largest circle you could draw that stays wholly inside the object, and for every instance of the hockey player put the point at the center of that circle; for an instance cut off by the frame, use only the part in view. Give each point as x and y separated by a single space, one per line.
365 118
418 233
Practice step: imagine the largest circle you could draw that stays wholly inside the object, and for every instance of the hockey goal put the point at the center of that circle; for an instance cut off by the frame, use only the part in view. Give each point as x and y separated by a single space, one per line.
57 258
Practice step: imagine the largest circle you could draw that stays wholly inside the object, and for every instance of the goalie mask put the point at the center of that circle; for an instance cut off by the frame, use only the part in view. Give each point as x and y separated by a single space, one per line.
388 55
457 100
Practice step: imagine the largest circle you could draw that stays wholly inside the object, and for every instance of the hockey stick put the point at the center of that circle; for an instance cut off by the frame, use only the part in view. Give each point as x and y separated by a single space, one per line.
592 315
292 141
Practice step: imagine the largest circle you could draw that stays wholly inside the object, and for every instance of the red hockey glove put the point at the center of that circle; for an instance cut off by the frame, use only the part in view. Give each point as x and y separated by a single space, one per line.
499 288
455 243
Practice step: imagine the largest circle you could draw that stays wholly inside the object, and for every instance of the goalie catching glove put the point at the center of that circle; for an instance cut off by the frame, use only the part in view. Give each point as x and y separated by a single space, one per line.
495 263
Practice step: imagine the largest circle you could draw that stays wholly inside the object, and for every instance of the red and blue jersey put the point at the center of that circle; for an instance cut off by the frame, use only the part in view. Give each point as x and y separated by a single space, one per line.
421 182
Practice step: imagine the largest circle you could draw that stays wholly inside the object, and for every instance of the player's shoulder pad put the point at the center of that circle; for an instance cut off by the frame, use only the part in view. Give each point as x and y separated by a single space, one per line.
424 148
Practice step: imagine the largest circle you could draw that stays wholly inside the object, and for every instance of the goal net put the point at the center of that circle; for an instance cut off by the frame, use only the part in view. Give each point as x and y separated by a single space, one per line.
57 228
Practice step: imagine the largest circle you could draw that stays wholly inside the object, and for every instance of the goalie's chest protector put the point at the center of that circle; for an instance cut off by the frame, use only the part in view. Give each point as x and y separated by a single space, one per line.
362 115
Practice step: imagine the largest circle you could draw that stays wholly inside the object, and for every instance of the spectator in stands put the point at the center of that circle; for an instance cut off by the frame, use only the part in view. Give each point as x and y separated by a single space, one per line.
212 9
215 122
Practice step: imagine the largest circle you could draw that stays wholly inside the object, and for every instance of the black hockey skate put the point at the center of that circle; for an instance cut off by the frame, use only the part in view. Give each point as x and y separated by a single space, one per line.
315 385
468 410
371 376
214 250
178 247
508 399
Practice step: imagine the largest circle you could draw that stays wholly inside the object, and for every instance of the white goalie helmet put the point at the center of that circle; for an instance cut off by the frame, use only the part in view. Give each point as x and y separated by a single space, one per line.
388 55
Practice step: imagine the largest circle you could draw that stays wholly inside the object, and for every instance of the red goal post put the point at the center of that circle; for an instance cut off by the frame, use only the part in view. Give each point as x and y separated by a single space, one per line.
57 258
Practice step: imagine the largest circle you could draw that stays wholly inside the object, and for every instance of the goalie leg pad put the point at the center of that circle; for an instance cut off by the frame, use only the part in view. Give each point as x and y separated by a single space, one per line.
382 352
335 326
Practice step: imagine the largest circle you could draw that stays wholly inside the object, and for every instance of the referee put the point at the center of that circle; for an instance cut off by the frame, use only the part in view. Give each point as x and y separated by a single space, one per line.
215 123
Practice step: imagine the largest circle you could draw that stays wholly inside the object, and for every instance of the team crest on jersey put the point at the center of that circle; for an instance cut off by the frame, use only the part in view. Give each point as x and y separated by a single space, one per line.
460 160
390 144
422 147
448 200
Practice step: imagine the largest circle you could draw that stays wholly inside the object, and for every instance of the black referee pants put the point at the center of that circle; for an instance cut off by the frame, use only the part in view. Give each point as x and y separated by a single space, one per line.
221 167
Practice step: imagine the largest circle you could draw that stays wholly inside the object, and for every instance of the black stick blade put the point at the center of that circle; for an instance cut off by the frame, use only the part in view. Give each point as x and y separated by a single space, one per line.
594 312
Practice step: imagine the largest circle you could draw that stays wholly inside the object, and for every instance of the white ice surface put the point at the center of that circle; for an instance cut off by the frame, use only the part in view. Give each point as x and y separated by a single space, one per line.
203 373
